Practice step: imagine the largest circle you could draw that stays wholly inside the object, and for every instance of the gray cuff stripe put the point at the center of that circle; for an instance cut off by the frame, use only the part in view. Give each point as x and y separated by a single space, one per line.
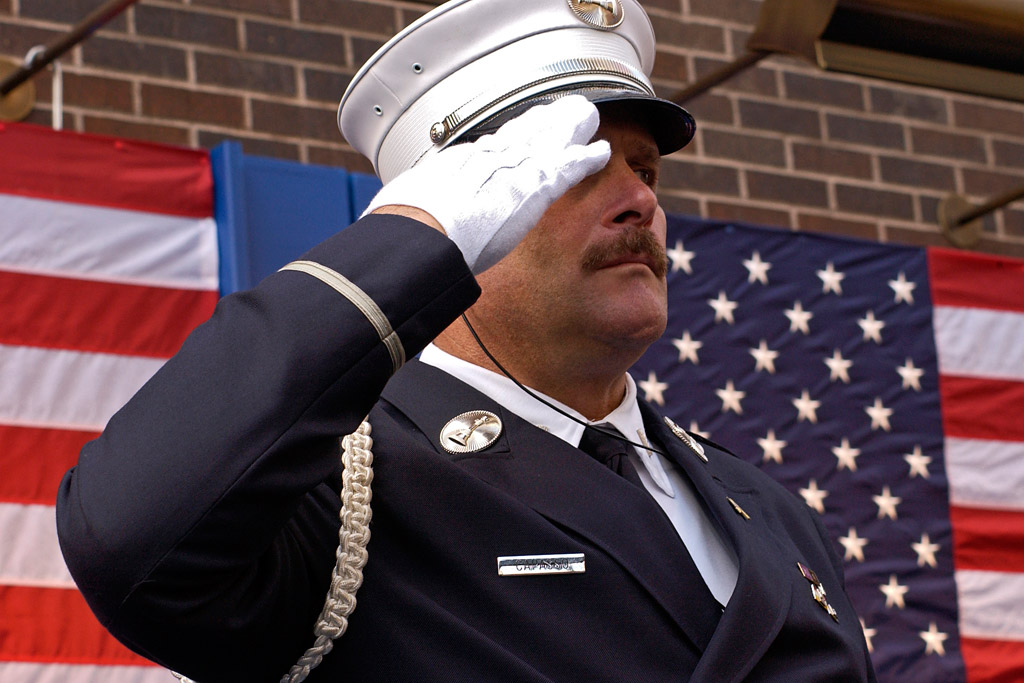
360 300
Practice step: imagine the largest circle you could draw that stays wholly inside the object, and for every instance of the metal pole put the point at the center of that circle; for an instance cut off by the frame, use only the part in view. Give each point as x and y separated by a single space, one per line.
85 28
990 206
723 74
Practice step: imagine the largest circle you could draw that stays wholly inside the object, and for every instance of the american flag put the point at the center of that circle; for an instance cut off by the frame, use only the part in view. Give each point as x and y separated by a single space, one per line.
884 385
108 258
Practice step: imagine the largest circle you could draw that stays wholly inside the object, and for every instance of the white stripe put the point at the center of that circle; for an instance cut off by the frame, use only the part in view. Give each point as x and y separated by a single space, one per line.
977 342
987 474
90 242
67 389
25 672
29 552
991 605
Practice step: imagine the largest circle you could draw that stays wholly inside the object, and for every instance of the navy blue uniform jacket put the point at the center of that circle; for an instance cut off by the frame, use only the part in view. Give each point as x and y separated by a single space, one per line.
201 525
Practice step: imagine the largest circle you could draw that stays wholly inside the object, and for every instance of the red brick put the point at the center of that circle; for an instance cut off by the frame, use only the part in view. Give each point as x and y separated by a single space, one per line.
5 6
985 117
1001 248
865 131
930 213
671 66
271 8
351 14
340 158
186 26
42 115
741 147
1009 153
293 121
1013 221
325 86
828 223
874 202
362 49
786 188
16 39
191 105
831 161
915 238
135 57
739 11
679 206
952 145
670 5
730 211
781 118
250 145
904 171
689 35
94 92
907 104
313 46
710 108
755 80
257 75
989 184
703 177
410 15
824 91
171 135
69 12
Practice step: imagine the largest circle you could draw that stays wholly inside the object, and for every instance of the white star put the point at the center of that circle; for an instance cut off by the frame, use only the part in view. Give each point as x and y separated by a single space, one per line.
894 592
847 456
807 409
869 633
918 462
814 497
854 545
723 308
831 280
772 447
925 551
838 367
731 397
911 375
653 389
903 288
879 415
757 268
933 640
681 258
886 503
688 348
695 429
765 357
798 318
872 327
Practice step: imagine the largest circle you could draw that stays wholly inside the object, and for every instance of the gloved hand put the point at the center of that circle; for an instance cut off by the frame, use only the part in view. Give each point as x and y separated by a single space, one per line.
489 193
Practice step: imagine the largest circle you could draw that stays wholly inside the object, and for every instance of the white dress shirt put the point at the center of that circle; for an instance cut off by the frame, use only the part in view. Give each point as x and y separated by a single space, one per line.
714 558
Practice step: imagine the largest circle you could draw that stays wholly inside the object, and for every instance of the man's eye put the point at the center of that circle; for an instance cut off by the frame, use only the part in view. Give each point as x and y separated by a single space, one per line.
645 175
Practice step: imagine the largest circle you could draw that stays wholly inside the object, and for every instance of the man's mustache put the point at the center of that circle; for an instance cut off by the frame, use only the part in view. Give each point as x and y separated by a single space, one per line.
633 241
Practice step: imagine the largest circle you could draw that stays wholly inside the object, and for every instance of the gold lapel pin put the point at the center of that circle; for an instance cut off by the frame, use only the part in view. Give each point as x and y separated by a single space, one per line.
685 437
818 591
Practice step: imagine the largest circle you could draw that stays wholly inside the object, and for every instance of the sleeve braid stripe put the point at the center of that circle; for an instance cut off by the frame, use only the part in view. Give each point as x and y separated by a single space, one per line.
360 300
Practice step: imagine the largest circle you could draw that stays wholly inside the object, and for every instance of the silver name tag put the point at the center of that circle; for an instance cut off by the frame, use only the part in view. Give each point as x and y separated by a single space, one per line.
524 565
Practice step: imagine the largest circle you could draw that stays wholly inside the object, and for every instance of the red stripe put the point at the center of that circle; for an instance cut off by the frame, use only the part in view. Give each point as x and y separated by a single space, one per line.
977 408
988 540
104 171
86 315
993 661
976 280
33 461
55 625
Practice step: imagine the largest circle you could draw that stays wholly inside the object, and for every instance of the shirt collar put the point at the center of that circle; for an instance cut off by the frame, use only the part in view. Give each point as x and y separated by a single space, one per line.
626 417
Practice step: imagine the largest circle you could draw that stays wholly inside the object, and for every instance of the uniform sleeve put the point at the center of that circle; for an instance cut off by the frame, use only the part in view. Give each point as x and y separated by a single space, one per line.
195 523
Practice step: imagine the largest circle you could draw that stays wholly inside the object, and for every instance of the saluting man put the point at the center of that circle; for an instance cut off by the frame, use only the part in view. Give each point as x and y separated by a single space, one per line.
531 519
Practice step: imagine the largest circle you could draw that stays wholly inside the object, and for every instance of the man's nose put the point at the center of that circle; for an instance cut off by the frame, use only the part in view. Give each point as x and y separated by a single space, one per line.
633 202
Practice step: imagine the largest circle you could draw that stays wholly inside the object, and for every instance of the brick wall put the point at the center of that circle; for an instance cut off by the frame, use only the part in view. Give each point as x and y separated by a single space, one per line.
781 144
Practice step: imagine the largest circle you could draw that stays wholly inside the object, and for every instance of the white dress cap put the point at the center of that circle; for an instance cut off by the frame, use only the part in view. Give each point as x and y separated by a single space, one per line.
467 66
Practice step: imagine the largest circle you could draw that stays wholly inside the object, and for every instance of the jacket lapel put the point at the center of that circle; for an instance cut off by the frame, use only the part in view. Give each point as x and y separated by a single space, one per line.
759 604
562 484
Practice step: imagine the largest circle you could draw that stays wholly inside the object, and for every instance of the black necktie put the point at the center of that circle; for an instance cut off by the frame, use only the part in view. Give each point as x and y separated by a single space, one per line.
610 450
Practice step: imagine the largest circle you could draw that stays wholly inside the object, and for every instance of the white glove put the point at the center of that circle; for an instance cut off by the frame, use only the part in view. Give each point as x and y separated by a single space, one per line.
489 193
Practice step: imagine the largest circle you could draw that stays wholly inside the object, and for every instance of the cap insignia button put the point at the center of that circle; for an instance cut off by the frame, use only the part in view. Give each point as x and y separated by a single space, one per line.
438 133
685 437
598 13
470 432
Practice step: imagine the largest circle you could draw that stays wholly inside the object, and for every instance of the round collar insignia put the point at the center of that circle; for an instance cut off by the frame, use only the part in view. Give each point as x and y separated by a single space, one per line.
606 14
470 432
